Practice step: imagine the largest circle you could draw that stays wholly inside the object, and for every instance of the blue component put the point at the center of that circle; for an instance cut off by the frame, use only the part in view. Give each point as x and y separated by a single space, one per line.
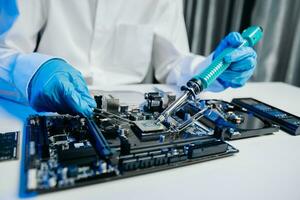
162 139
101 145
278 114
262 107
212 115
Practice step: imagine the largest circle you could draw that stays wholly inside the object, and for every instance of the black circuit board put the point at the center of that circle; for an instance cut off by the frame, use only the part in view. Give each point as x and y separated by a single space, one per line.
64 151
9 143
287 121
236 121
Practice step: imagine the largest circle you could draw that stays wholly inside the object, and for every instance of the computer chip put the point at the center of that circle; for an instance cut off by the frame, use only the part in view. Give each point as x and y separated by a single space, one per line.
149 130
147 126
9 146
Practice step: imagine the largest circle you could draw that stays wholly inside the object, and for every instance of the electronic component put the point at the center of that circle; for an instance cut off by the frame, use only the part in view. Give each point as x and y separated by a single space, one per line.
287 122
119 141
64 151
98 100
236 122
171 98
154 102
9 145
112 104
61 152
149 130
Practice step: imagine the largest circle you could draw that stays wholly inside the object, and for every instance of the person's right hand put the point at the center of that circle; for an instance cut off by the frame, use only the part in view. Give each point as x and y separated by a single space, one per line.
58 87
242 61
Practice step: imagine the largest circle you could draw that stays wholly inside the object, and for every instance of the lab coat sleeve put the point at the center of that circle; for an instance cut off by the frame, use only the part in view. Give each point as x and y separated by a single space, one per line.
173 63
18 63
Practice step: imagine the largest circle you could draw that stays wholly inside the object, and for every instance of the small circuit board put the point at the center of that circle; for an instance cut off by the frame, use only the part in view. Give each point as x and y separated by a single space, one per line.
9 143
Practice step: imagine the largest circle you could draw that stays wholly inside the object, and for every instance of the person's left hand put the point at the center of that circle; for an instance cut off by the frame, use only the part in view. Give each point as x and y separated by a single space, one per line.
243 61
59 87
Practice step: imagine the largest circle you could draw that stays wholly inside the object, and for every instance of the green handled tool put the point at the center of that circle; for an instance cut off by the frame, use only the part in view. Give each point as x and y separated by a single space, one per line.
201 81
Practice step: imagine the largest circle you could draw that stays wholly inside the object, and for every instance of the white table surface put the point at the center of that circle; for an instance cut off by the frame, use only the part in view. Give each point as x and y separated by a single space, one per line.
267 167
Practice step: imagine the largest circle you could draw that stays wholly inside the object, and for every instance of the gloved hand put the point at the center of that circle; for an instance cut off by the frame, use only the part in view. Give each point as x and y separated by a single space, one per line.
58 87
243 61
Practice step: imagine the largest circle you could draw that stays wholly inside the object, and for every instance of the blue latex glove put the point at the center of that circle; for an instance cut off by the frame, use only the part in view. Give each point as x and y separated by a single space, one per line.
243 61
8 14
58 87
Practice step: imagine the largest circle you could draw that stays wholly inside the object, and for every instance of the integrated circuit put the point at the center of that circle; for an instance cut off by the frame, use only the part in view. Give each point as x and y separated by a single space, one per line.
9 146
149 130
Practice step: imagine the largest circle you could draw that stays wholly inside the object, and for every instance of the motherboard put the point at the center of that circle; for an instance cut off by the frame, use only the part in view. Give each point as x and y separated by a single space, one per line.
121 140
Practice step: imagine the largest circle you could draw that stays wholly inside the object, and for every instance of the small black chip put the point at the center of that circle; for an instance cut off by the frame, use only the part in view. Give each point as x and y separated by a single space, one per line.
9 146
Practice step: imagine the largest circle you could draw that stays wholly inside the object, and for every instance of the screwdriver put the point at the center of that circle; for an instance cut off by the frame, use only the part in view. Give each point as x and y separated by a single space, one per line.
201 81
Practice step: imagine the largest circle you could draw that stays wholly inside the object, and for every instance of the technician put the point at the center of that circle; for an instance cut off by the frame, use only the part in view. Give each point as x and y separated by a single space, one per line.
55 48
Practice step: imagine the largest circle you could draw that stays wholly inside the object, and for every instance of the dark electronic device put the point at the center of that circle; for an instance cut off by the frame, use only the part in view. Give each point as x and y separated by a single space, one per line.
236 121
64 151
119 141
154 102
287 121
9 146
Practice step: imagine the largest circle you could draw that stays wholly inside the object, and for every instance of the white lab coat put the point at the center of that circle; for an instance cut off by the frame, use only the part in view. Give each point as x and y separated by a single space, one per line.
110 41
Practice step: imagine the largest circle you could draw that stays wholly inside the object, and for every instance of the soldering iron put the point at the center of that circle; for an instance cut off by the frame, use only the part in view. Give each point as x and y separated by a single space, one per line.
201 81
